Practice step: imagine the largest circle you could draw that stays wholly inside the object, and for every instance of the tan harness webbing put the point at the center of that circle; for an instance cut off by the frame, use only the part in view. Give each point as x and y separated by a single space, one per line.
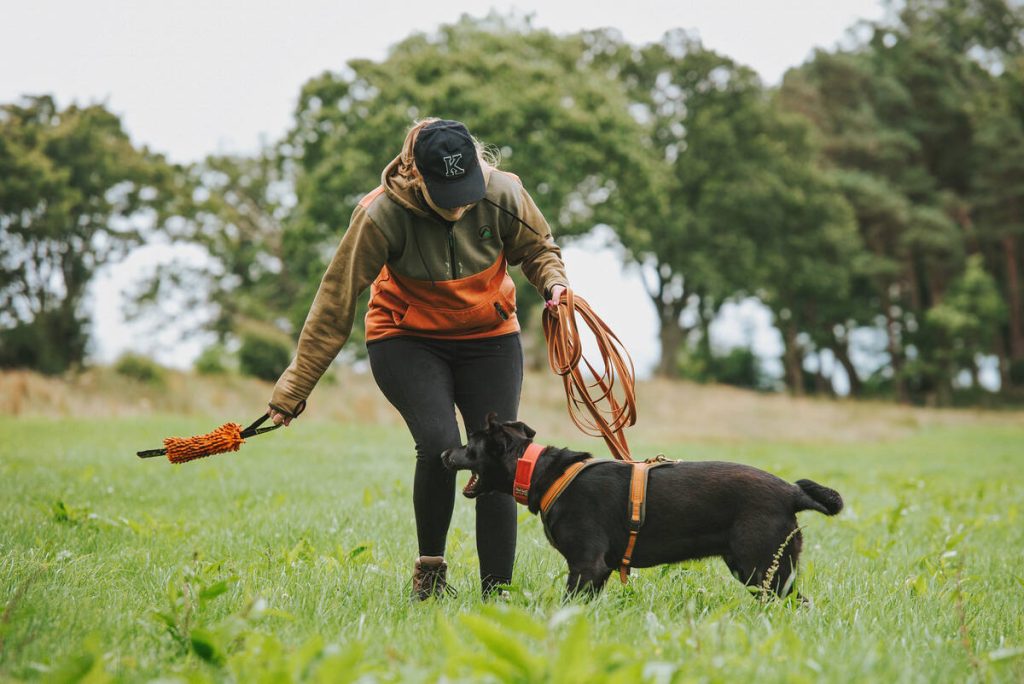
563 481
559 486
637 507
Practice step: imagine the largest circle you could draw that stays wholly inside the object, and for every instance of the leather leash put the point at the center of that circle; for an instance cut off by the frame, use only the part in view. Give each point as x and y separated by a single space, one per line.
584 399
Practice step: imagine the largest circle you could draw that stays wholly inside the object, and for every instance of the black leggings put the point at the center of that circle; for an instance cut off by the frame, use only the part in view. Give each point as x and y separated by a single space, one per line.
425 380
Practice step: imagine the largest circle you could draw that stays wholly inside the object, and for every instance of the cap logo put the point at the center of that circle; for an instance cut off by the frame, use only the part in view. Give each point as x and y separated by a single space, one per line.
451 166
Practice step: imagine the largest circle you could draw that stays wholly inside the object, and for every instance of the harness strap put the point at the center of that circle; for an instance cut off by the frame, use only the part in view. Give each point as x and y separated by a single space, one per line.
640 470
563 481
637 507
637 511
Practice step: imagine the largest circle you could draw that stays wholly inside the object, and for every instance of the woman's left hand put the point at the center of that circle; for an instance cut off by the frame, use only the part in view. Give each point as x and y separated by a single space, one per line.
556 297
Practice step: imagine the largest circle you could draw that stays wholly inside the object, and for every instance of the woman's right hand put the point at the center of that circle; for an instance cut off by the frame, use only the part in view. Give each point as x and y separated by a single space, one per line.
556 298
279 417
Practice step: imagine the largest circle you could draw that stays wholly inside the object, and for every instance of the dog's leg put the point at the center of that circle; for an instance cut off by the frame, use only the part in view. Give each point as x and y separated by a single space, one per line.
784 562
767 564
584 544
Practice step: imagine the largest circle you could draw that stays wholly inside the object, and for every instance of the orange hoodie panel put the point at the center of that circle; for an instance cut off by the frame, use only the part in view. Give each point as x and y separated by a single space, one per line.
481 305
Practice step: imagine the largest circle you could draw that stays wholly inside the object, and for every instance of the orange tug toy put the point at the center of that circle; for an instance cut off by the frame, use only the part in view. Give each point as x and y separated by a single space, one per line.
228 437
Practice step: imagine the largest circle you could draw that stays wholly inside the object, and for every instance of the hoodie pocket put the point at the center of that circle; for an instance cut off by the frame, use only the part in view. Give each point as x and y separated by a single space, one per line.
478 318
491 302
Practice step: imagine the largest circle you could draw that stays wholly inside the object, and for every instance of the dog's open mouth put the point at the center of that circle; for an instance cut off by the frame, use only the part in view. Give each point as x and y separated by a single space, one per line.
469 491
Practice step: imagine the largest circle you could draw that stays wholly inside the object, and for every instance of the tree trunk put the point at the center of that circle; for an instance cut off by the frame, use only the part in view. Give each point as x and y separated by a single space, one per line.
823 383
820 383
72 332
842 352
1004 364
705 315
944 385
1014 297
792 359
672 336
893 347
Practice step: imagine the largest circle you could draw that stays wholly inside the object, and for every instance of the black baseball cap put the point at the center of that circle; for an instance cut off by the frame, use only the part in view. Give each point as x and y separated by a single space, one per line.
446 158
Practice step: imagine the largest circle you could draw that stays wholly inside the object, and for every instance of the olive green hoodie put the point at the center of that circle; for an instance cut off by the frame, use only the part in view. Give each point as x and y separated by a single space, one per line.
429 277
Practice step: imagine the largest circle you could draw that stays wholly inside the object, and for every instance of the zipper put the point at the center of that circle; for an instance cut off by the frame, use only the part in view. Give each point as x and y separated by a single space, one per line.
451 251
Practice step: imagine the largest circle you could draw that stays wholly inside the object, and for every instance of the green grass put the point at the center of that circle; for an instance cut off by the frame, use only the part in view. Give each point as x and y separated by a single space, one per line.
291 560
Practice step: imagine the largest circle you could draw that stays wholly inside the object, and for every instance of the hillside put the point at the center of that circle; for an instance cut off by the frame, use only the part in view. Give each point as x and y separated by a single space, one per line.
669 412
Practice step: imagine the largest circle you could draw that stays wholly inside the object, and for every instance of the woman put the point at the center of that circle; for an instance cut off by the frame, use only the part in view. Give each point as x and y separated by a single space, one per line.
433 242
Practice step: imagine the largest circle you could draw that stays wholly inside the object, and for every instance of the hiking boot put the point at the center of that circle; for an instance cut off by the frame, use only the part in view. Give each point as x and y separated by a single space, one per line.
429 578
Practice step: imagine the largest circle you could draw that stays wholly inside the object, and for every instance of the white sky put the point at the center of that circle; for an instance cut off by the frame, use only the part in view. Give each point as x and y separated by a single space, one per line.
193 77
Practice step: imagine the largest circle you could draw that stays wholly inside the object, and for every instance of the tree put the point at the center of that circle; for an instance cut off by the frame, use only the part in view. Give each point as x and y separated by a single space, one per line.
997 196
235 208
899 123
965 324
874 161
696 225
562 125
964 63
810 257
75 194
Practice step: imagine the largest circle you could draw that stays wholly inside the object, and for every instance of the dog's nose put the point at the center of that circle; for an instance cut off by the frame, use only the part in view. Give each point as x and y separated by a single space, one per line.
446 457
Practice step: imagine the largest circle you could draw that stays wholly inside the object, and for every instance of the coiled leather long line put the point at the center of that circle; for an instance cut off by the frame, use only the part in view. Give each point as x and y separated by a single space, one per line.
597 407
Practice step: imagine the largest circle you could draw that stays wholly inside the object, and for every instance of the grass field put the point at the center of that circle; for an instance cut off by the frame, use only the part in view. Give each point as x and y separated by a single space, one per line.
290 560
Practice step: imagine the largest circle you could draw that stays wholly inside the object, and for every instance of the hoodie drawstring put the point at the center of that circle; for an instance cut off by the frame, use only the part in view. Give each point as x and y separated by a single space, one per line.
509 213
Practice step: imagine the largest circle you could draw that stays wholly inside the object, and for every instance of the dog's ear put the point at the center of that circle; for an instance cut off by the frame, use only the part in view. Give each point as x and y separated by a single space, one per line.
492 422
519 429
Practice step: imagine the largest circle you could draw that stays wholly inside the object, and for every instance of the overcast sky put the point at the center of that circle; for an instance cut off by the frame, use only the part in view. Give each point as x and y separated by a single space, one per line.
193 77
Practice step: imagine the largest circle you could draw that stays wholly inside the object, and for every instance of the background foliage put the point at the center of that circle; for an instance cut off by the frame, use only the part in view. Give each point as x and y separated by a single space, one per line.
875 193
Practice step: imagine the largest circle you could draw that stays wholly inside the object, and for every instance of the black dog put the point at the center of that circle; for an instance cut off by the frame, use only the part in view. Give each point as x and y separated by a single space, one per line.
693 510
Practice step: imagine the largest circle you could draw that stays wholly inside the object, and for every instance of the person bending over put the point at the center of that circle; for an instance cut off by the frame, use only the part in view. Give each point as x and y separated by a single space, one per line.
433 242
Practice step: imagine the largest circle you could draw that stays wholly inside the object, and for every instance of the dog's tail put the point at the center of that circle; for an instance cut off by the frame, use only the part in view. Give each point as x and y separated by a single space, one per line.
815 497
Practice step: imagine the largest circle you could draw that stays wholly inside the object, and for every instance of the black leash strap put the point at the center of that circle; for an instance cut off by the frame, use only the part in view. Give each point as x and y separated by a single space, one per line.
255 428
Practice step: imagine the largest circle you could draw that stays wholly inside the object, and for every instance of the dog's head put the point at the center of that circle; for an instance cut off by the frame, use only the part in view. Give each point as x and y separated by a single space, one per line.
490 456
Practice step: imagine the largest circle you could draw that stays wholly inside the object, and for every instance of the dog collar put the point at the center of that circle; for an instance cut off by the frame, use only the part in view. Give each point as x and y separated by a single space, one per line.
524 471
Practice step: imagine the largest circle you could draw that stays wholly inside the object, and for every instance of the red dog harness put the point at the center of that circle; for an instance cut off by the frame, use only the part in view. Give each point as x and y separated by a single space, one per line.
637 492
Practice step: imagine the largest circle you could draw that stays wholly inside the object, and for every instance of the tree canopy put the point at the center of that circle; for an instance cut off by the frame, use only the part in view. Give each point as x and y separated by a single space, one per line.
877 190
75 195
